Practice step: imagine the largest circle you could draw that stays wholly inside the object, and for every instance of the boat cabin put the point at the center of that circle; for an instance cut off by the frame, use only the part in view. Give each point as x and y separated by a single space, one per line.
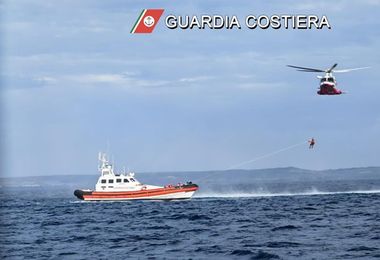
111 181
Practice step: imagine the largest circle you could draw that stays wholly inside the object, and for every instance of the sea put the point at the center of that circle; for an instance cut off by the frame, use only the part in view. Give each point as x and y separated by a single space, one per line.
50 223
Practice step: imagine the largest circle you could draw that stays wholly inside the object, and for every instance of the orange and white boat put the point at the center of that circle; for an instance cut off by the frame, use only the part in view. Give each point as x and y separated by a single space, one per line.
125 186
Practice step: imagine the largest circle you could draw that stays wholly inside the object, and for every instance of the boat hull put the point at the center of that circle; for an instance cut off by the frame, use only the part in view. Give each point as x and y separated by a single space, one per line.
172 193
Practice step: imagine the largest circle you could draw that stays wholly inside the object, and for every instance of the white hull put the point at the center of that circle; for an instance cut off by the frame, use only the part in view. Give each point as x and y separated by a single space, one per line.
173 196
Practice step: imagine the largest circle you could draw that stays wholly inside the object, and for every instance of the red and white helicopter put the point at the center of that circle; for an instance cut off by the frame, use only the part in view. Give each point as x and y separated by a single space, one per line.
328 82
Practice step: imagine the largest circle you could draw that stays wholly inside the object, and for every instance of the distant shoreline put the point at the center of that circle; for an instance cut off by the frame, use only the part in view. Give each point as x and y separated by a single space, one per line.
289 168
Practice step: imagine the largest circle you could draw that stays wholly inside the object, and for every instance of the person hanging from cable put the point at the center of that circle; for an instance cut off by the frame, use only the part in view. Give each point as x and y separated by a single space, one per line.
312 143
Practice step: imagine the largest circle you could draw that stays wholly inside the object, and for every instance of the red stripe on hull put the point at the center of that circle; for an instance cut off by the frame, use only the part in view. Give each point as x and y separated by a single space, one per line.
135 194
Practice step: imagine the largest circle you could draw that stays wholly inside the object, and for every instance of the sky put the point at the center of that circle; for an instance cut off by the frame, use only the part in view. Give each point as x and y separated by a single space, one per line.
74 82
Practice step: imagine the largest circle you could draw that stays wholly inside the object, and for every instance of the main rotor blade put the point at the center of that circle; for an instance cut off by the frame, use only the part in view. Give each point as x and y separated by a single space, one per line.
309 71
306 69
348 70
332 67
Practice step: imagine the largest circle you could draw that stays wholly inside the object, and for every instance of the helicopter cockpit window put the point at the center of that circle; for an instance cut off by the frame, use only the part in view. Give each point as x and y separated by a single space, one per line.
331 79
323 79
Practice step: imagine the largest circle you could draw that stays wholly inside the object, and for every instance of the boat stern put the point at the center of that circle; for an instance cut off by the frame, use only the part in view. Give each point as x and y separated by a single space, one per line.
190 186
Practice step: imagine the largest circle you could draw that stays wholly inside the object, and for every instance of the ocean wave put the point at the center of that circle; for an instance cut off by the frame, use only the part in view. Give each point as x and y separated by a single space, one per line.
26 185
214 228
274 194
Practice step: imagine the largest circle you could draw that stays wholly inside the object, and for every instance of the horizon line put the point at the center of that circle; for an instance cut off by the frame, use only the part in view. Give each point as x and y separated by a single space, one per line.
197 171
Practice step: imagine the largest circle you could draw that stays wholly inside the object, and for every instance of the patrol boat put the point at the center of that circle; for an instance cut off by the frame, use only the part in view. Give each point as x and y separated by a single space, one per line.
125 186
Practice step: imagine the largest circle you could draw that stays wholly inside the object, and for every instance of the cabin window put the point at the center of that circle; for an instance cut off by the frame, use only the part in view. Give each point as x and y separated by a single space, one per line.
110 181
331 80
103 181
132 179
126 180
118 180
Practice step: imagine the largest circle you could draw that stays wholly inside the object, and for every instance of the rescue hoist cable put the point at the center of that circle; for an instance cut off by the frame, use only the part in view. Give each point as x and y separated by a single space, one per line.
257 158
264 156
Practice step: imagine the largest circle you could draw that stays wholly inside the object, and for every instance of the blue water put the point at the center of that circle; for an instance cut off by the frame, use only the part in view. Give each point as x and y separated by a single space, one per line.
35 225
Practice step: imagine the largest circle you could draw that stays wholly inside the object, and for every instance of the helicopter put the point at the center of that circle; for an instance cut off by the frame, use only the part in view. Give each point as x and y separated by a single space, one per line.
327 85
